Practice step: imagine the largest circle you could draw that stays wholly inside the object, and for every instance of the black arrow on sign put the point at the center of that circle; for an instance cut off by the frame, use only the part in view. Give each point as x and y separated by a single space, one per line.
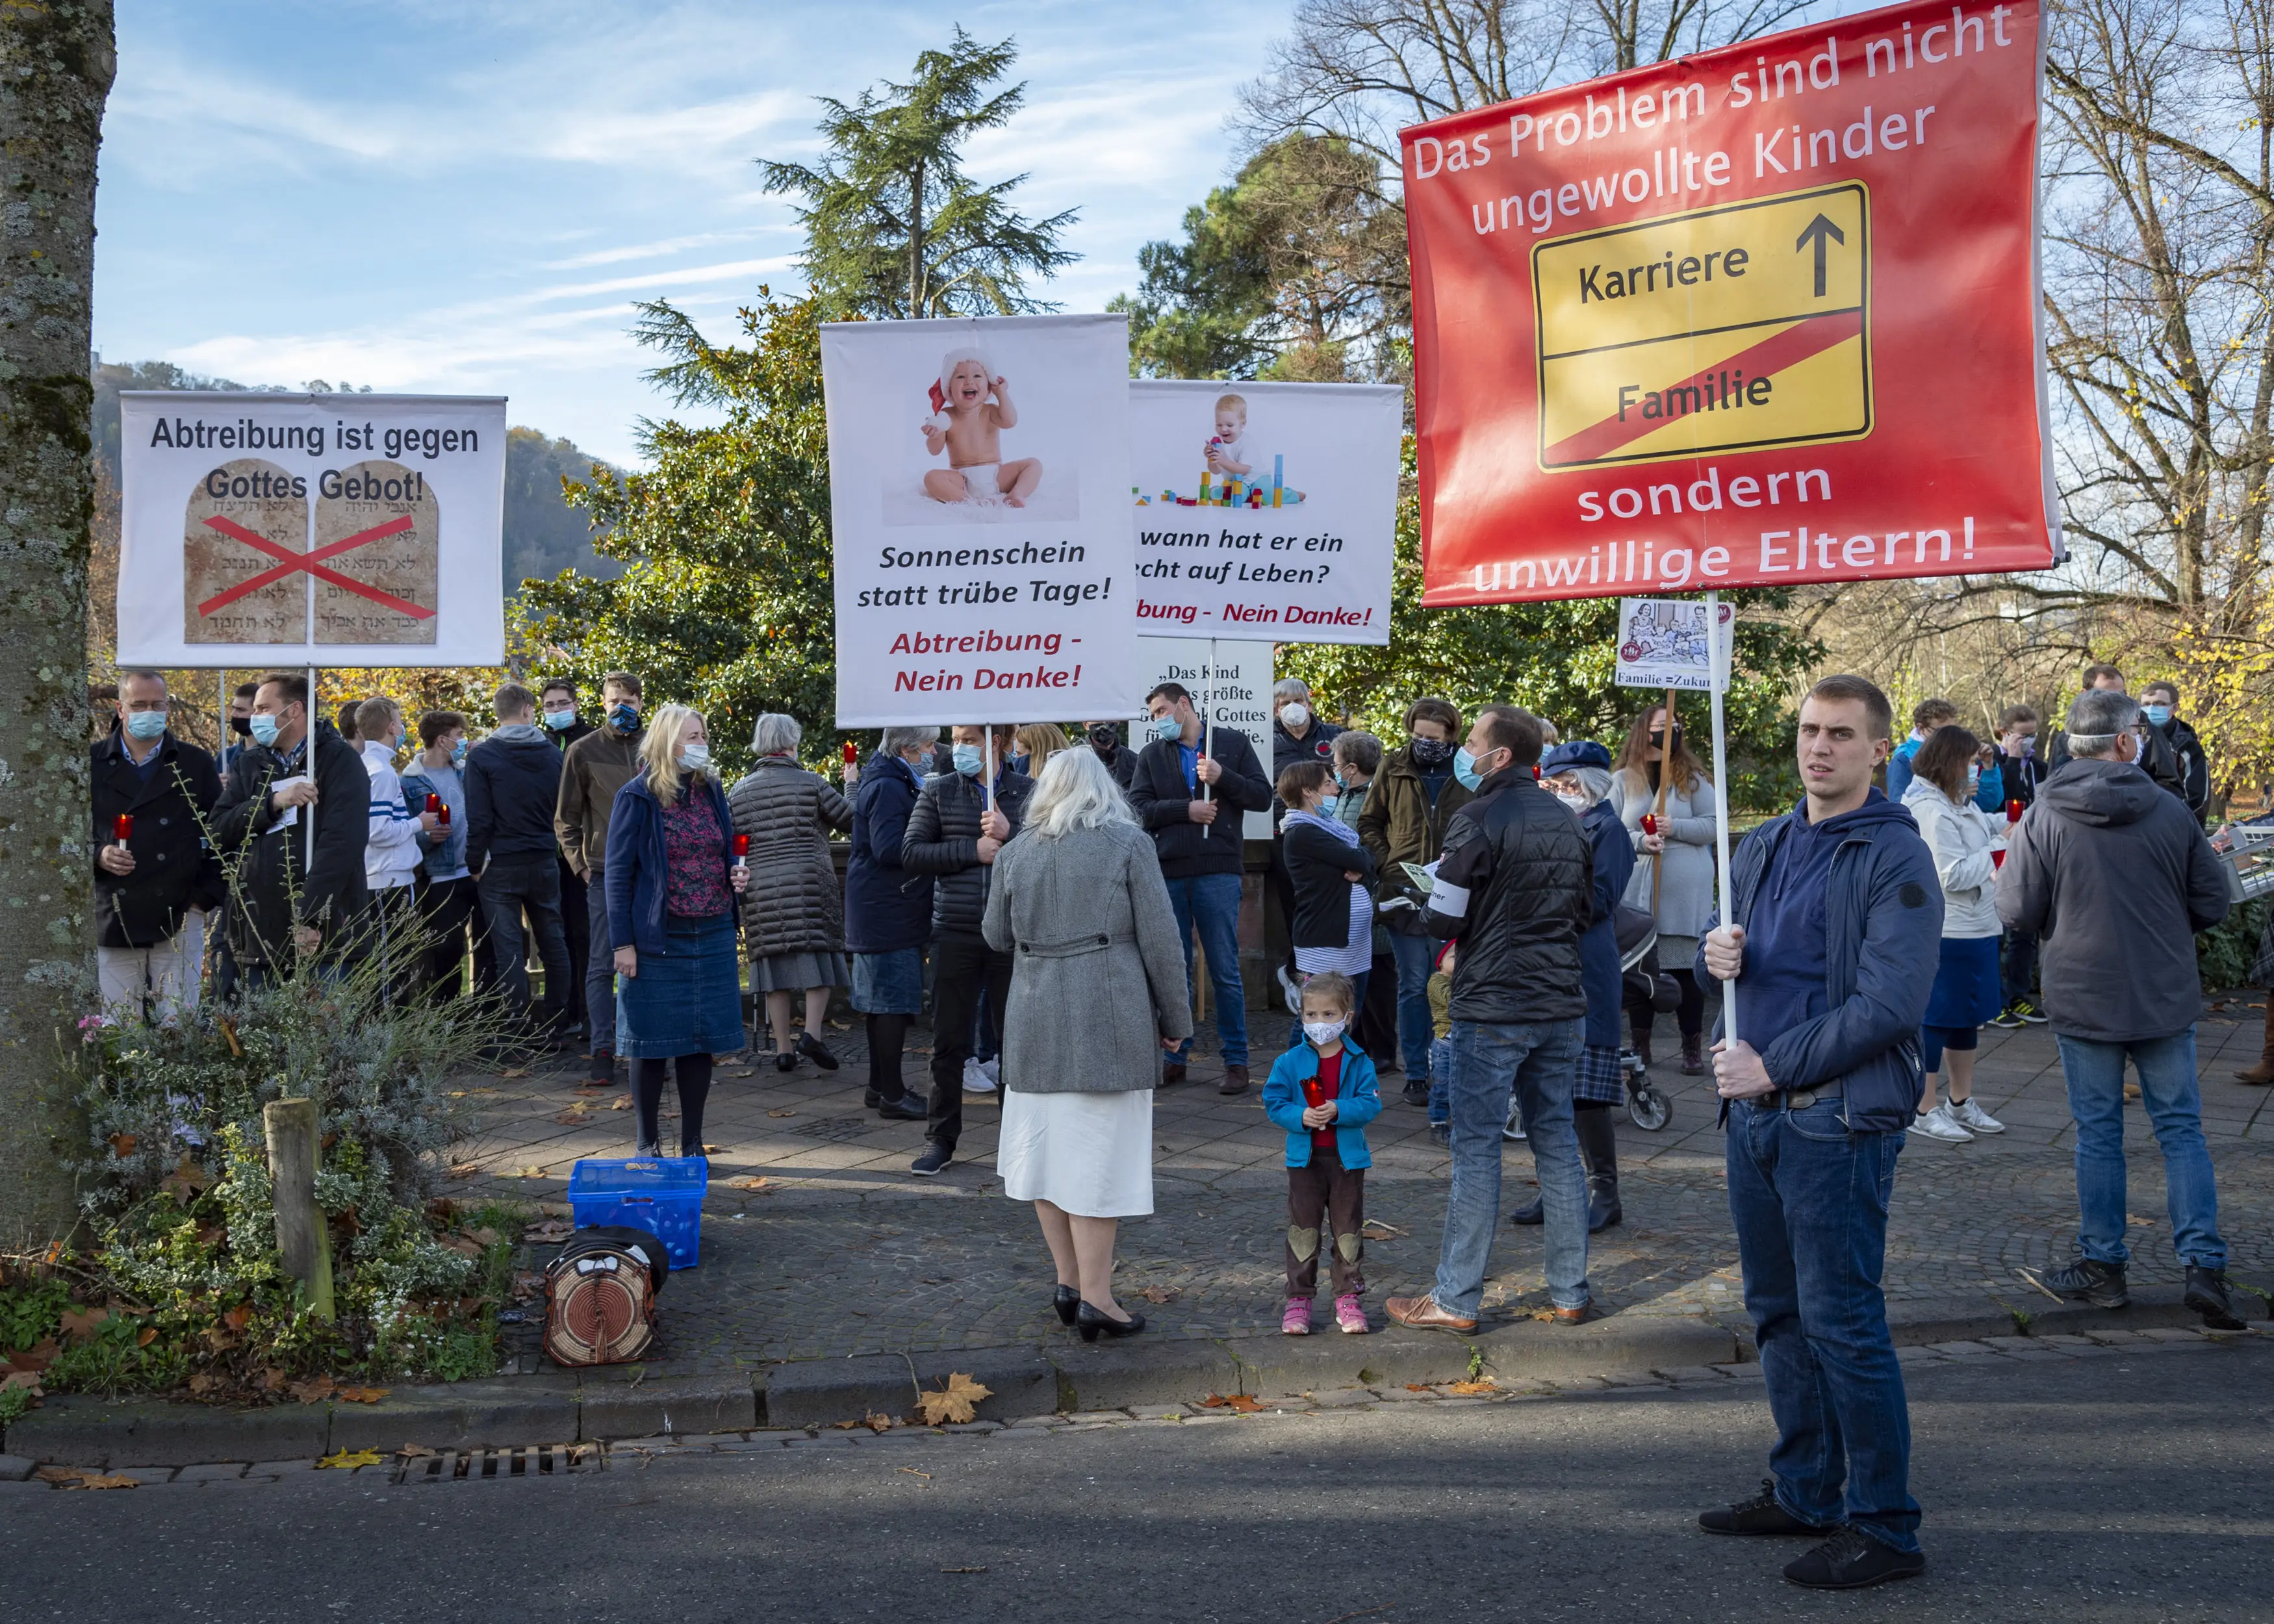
1819 228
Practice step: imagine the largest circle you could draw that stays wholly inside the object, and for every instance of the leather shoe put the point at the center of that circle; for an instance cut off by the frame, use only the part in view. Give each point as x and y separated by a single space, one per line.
1532 1213
1235 1080
1089 1323
1576 1316
1172 1073
1423 1315
1416 1093
908 1108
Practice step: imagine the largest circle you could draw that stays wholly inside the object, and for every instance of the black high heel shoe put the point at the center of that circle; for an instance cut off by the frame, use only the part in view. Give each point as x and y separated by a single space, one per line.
1089 1322
1068 1302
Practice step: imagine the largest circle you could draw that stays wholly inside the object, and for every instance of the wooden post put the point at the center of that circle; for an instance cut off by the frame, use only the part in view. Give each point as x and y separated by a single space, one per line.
294 1153
1665 775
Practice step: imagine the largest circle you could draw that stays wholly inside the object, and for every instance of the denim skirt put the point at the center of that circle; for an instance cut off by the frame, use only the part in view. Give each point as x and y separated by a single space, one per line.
686 1000
889 983
1968 989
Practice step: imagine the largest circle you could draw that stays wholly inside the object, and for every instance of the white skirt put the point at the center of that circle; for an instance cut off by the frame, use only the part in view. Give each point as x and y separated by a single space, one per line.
1090 1155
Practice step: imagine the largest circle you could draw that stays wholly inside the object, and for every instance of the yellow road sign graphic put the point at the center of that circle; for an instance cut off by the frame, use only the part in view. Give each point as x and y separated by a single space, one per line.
1719 330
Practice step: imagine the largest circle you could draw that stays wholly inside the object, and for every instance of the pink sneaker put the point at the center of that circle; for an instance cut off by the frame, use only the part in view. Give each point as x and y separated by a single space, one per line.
1351 1316
1296 1320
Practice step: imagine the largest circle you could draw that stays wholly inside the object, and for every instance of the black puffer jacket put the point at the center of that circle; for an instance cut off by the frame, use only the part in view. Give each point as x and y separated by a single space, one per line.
942 841
793 903
1516 889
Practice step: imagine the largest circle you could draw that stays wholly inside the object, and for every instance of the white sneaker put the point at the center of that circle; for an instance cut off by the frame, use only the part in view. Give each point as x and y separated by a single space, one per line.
1513 1128
1291 990
975 1079
1939 1124
1967 1114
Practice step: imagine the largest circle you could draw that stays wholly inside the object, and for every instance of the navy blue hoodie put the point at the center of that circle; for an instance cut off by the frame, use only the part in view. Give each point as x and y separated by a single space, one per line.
1843 934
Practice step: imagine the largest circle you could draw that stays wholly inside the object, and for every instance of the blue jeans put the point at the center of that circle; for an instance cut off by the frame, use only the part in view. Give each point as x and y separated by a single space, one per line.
1441 1081
1809 1202
1413 955
2174 1104
599 966
1540 1059
1210 902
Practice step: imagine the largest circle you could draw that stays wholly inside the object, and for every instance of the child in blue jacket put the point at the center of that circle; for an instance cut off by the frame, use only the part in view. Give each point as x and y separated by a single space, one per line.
1323 1091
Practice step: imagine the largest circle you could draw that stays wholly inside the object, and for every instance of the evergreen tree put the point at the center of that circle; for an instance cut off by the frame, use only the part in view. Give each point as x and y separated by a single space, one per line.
894 229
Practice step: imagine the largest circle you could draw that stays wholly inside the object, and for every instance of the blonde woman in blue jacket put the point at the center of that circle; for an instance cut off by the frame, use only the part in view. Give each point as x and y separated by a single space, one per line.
1323 1091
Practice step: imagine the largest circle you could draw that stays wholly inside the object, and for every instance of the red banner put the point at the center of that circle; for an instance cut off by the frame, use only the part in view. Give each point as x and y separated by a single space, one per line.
1764 315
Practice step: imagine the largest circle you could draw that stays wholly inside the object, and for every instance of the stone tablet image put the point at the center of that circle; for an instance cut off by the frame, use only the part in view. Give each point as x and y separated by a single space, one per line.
377 561
244 539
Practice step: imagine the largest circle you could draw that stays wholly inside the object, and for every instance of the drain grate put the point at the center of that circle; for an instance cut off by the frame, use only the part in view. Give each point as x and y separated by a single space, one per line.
476 1465
833 1127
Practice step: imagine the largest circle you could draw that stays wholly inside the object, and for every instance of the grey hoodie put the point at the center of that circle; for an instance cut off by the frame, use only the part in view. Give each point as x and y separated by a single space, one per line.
2115 876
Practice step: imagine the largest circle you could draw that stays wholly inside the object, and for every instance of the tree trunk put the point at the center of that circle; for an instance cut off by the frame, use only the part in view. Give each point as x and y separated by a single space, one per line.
57 59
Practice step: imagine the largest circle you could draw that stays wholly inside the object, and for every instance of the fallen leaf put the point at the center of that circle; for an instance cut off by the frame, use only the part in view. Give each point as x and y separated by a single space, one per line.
621 1102
486 1236
29 1380
464 1246
748 1183
313 1389
271 1378
955 1401
530 1172
711 1150
184 1182
913 1472
1160 1294
781 1113
573 1117
228 1025
1238 1402
238 1318
203 1383
362 1395
148 1334
877 1421
514 1072
528 1286
457 1093
1415 1387
465 1170
75 1477
123 1144
551 1229
1482 1384
416 1452
80 1322
347 1460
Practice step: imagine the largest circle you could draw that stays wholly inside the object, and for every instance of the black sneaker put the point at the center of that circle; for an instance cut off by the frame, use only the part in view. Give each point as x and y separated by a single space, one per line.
2031 1014
2100 1284
2009 1017
908 1108
936 1156
1416 1093
1849 1560
2207 1295
1761 1514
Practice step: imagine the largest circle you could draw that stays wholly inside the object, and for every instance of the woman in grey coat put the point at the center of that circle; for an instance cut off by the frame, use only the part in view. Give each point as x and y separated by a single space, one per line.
1097 992
794 911
1683 847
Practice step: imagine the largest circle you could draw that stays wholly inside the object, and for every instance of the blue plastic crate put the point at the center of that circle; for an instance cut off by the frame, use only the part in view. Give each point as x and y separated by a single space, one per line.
660 1194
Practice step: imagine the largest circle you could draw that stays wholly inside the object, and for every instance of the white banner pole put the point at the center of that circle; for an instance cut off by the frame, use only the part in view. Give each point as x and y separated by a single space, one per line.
310 866
1208 730
1719 641
986 794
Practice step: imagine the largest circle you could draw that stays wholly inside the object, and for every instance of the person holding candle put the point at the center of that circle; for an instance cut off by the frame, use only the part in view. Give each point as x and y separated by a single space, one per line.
1673 878
670 883
154 879
1967 843
792 909
450 904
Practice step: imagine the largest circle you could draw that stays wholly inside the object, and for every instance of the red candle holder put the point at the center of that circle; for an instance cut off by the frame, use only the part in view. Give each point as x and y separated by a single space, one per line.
122 827
435 803
1649 824
441 811
741 850
852 753
2014 811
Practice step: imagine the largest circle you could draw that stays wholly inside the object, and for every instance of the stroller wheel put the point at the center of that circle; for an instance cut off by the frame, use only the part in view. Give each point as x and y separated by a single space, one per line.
1649 1108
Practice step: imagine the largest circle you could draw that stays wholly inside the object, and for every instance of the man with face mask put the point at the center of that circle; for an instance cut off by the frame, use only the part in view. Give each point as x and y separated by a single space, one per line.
297 769
954 835
1516 890
592 770
1403 820
154 887
240 723
564 727
2159 703
1119 759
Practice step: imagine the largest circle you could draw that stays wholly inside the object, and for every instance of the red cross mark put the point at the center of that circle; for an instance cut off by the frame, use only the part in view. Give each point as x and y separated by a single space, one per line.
313 563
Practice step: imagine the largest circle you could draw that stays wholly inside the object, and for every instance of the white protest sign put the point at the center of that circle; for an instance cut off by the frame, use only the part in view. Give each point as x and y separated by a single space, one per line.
310 529
978 483
1664 643
1265 509
1231 685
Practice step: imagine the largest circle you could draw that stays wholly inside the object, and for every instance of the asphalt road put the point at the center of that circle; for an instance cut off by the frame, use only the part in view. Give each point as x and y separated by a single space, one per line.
2128 1486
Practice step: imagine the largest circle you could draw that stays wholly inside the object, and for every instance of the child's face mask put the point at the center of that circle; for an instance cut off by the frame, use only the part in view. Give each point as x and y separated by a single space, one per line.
1324 1032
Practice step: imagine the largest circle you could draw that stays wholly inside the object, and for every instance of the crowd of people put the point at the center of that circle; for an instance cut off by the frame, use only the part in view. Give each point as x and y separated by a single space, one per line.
1459 907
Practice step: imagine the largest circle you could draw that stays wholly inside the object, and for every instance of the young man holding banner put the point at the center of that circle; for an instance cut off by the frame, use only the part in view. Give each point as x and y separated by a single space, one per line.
1831 957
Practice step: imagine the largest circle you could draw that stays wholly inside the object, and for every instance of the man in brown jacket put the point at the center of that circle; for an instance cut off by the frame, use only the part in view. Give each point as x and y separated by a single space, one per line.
592 770
1403 820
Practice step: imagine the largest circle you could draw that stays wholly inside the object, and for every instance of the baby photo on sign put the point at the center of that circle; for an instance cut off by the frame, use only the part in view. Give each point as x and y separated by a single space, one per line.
972 471
244 544
378 557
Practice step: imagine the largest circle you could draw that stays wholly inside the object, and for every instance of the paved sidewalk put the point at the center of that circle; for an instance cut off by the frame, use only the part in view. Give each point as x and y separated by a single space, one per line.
839 1251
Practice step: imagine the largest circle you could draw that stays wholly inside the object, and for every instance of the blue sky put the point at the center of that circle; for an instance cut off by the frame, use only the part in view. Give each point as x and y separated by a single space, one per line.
466 197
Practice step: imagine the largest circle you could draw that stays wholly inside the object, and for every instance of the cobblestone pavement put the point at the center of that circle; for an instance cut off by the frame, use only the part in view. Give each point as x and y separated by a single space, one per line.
818 1244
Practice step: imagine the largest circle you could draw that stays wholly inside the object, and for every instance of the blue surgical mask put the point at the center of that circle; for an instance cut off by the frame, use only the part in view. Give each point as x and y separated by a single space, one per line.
560 721
1464 769
694 758
2159 715
1018 763
1974 776
1327 805
969 760
624 718
1166 727
264 728
458 753
145 724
